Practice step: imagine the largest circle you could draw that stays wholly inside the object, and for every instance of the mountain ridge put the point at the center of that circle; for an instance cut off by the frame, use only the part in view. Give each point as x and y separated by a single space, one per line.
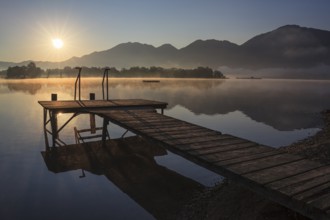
289 46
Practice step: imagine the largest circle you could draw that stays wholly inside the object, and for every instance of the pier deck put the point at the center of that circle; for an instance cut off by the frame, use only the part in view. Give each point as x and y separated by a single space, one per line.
291 180
85 105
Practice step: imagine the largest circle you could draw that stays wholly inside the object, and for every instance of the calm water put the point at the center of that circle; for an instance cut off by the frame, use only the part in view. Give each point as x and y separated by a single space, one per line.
271 112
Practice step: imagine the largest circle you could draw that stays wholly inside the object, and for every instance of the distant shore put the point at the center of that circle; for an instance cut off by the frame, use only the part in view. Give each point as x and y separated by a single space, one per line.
233 202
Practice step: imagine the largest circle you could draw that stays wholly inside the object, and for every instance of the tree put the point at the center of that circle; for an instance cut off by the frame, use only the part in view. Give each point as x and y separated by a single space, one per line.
29 71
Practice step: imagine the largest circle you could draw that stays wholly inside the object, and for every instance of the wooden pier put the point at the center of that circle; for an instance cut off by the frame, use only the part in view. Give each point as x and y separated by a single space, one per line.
290 180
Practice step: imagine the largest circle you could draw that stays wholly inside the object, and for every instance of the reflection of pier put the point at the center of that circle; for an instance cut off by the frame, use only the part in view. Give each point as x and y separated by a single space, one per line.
295 182
128 163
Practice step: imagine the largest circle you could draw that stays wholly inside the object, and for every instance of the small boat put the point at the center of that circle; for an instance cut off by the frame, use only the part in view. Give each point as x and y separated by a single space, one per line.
150 81
252 77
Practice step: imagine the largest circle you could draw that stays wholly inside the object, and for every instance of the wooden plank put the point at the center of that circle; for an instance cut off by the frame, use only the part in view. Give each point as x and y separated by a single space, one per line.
185 135
54 105
154 124
267 176
172 127
169 129
224 140
138 120
323 202
220 147
263 163
248 158
131 114
172 131
313 192
113 112
300 178
212 158
195 140
305 185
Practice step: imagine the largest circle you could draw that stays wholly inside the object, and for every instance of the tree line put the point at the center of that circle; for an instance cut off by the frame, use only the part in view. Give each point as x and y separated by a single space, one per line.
22 72
31 71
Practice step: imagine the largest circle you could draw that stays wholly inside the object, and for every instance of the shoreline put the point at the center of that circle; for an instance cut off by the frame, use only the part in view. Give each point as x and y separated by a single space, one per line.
228 200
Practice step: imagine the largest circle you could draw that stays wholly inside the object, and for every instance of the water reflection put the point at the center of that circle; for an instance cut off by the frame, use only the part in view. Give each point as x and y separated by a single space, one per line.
129 164
282 104
23 87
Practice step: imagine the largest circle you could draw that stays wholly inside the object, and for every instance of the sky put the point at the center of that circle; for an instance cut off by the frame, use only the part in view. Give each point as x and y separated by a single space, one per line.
85 26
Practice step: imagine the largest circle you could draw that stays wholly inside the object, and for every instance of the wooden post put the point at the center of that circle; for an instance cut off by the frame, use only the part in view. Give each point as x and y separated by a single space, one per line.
53 123
53 120
92 116
91 96
104 131
54 97
45 130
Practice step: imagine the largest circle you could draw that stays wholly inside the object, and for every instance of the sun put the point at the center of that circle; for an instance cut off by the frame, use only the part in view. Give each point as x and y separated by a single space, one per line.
57 43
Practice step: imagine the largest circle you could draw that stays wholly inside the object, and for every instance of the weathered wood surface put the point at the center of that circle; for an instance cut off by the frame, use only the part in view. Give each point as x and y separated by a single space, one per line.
290 180
82 105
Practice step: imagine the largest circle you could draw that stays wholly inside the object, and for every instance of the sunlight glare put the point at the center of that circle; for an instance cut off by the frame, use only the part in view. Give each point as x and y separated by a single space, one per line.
57 43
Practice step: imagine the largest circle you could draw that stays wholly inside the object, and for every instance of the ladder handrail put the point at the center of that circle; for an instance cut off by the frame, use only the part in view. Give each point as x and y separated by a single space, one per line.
105 76
78 80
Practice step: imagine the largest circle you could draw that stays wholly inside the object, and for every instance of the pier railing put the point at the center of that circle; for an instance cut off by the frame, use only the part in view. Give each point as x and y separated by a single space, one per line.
106 80
77 85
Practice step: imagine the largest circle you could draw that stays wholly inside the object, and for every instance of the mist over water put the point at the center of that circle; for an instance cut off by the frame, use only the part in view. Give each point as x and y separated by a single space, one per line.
271 112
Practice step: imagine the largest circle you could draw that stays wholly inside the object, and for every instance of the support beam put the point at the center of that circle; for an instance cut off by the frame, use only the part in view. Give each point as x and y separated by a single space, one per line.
45 130
92 116
53 123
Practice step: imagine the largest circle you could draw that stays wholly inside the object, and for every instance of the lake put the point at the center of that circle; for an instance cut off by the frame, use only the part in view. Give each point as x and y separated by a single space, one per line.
270 112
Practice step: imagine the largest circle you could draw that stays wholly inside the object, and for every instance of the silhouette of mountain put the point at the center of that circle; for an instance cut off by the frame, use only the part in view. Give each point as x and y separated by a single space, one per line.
287 46
127 55
212 53
290 46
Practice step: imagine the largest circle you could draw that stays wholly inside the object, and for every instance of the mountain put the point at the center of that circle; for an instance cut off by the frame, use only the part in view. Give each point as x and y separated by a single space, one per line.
290 46
127 55
287 46
208 53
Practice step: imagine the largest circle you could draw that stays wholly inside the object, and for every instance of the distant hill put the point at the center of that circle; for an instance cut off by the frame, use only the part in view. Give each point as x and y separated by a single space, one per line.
290 46
287 46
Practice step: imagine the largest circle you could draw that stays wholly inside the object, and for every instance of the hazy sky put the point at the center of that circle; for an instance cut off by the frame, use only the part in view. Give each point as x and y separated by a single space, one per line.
85 26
